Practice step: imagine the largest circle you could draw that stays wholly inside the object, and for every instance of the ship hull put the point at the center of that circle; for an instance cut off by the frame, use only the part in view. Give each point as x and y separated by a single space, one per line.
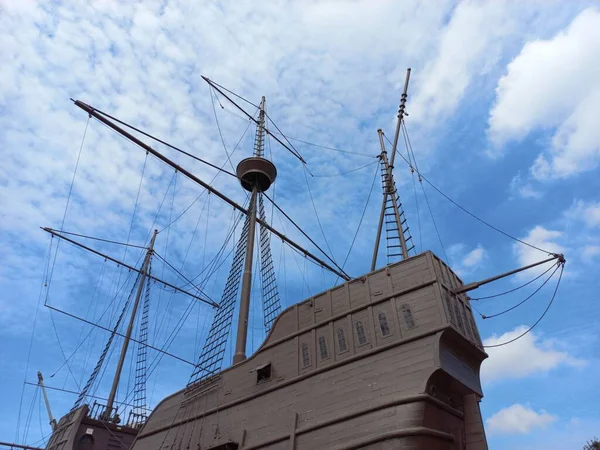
402 373
78 431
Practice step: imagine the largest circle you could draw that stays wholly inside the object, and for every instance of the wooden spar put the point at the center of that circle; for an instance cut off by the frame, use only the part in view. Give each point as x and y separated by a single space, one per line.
391 192
96 252
390 169
214 86
93 112
400 117
476 284
43 387
108 416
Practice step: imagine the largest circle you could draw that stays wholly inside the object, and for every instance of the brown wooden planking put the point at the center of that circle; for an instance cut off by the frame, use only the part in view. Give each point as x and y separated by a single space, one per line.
356 385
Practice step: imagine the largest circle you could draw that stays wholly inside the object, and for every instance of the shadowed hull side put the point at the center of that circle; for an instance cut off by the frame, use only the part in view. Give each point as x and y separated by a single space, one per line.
78 431
403 373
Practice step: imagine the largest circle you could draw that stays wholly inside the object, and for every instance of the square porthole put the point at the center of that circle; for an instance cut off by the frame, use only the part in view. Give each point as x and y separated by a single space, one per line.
263 373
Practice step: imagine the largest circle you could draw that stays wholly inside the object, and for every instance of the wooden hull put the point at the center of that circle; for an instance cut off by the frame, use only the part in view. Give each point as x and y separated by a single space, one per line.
402 373
77 431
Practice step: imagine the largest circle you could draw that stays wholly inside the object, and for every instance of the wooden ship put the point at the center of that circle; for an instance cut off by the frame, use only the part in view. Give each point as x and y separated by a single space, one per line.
387 360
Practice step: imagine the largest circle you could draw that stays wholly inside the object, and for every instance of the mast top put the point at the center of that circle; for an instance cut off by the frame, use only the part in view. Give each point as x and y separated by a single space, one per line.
256 171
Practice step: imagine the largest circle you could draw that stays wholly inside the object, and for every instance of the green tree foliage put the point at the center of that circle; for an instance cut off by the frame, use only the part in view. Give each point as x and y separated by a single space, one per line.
594 444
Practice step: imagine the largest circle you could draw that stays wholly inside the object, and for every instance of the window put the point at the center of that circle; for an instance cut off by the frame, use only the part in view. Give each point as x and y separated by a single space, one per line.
341 335
449 309
360 333
263 373
408 317
323 347
86 442
305 355
459 317
467 323
383 324
474 328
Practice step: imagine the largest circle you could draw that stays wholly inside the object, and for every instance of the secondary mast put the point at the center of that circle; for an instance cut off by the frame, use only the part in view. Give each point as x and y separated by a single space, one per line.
50 416
389 186
108 415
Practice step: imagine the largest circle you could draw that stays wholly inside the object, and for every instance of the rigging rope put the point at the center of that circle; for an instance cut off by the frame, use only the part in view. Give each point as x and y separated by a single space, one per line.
330 258
162 142
515 289
360 221
100 239
483 316
50 276
213 180
325 147
437 231
347 172
418 212
37 310
295 152
219 127
562 266
466 210
317 214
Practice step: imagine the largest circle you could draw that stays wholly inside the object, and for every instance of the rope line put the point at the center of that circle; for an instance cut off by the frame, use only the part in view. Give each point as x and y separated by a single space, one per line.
562 266
212 181
212 99
515 289
154 138
347 172
101 240
330 258
360 221
437 231
466 210
325 147
316 213
483 316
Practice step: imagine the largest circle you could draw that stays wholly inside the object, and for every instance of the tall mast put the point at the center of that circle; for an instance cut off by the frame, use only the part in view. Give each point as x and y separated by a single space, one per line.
256 175
107 415
50 416
389 185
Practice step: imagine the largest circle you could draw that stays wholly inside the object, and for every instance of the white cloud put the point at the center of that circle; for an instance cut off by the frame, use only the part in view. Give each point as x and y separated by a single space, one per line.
586 212
527 356
523 188
466 261
474 257
518 419
589 252
545 239
554 84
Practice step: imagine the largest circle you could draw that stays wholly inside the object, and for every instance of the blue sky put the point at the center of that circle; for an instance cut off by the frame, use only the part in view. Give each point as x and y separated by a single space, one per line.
503 105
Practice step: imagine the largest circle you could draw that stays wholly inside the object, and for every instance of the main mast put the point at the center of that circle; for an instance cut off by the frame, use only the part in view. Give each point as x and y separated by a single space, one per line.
256 175
107 415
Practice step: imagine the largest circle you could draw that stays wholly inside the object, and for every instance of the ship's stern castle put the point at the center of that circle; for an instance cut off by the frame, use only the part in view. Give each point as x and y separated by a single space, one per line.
390 360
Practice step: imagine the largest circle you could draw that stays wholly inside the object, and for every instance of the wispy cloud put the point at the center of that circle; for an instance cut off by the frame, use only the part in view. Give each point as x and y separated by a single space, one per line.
530 355
518 419
541 90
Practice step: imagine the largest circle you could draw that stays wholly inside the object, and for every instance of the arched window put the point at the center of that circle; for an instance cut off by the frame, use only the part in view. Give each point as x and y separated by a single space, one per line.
305 355
86 442
341 335
383 324
459 317
323 347
360 333
449 308
408 317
